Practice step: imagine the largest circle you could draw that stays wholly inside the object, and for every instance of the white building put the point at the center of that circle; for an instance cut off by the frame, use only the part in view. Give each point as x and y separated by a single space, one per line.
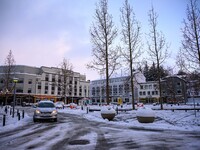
44 83
149 92
119 88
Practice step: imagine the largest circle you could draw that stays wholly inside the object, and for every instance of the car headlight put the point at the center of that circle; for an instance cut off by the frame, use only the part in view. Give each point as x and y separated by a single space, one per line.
37 112
54 112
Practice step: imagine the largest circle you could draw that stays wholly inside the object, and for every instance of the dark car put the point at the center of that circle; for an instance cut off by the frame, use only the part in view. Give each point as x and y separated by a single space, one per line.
45 110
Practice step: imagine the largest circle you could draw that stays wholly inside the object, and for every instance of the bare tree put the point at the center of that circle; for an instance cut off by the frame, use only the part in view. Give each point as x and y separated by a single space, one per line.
103 34
8 74
157 46
191 36
131 40
65 78
180 61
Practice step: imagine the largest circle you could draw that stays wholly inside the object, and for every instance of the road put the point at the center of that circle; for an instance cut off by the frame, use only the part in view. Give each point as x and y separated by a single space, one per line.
73 132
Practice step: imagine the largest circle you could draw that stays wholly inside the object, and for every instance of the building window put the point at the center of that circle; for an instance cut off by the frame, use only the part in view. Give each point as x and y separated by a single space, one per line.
39 87
126 88
140 93
80 88
148 92
156 92
46 90
70 82
53 79
110 90
179 91
29 90
20 81
144 93
115 89
179 83
30 81
120 89
141 86
47 77
19 90
163 92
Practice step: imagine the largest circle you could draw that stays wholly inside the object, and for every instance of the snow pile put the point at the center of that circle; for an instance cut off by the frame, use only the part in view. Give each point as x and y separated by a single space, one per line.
107 110
145 112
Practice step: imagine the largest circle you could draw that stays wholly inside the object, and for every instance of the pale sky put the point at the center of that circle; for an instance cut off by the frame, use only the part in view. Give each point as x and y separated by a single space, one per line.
43 32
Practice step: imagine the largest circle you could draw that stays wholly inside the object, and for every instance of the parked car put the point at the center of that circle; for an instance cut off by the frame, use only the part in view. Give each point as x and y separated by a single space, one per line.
59 105
24 104
155 104
71 105
45 110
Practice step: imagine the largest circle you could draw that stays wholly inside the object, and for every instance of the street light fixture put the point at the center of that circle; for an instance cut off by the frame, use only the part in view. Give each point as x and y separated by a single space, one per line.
15 80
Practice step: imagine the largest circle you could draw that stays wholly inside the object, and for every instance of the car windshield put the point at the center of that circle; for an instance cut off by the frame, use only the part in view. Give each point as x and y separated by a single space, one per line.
46 105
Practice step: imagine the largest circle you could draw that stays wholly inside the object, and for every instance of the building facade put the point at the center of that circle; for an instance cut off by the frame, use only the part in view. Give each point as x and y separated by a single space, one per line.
119 88
149 92
35 84
174 89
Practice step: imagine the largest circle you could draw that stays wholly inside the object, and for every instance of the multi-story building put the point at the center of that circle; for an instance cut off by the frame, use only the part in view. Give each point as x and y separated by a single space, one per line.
174 89
119 88
44 83
149 92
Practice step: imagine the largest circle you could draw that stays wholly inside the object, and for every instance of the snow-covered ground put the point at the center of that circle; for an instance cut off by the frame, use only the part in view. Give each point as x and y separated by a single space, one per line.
165 119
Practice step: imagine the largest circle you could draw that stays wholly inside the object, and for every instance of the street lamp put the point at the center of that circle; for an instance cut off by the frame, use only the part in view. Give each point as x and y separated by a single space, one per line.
15 80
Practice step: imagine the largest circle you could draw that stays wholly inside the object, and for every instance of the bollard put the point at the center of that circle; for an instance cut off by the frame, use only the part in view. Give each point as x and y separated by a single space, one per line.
6 109
22 113
87 110
10 111
4 120
13 112
18 114
117 110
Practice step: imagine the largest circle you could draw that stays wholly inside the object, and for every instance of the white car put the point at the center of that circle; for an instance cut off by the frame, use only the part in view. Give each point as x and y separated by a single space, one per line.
45 110
59 105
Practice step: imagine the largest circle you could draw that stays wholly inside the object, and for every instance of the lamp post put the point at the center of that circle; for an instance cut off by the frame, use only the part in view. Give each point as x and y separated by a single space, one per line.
15 80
